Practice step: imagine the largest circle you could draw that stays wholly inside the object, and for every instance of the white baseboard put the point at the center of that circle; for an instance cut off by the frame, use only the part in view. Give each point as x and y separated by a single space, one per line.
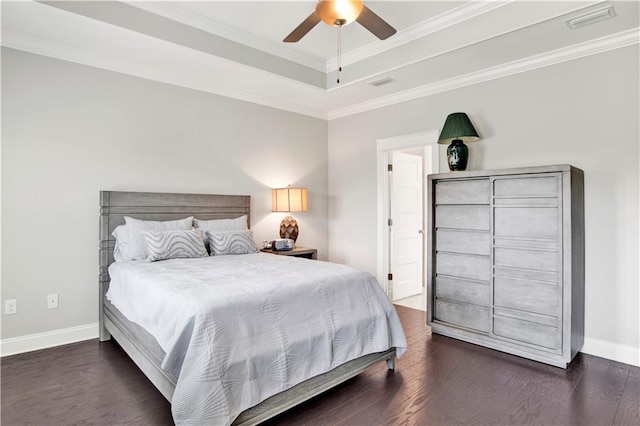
34 342
613 351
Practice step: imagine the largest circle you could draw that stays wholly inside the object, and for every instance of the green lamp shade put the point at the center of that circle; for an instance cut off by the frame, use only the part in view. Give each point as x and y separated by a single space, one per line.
458 126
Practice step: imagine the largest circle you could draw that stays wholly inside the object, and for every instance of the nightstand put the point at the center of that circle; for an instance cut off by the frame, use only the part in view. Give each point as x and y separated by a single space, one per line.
307 253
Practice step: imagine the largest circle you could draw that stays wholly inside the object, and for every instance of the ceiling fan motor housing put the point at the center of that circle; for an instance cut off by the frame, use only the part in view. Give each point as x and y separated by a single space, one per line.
339 12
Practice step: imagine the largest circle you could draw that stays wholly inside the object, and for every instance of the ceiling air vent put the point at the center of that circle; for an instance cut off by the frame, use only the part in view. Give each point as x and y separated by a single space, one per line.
382 82
591 17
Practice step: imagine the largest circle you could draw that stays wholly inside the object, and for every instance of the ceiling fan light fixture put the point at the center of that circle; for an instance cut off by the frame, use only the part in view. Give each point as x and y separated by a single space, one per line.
339 12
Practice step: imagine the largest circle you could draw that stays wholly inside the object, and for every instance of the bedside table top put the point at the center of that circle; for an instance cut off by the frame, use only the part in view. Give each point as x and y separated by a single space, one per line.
296 251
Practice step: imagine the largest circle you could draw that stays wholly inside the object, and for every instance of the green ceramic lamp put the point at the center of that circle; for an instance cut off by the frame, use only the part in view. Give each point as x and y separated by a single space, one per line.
457 130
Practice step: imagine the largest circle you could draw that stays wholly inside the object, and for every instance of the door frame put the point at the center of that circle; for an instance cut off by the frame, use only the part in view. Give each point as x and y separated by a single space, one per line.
384 146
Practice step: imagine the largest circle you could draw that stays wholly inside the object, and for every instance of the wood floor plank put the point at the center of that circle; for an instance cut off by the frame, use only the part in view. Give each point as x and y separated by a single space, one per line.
598 394
536 390
629 409
438 381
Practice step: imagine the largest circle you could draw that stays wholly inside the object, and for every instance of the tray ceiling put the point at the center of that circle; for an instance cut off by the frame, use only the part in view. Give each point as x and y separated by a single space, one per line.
234 48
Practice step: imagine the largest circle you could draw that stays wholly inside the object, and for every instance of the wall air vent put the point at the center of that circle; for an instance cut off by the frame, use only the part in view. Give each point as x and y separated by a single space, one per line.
591 17
382 82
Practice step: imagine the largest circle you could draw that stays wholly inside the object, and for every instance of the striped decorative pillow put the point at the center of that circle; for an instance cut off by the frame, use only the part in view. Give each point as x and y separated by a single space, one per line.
231 242
163 245
136 246
220 225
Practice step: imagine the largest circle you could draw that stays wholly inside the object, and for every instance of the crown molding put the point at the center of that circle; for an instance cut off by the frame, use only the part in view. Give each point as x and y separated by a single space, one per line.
596 46
401 64
176 13
592 47
260 87
67 53
455 16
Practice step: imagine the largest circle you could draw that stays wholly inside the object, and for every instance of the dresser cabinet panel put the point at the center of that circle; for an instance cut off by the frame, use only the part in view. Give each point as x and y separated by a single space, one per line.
463 192
526 222
463 266
527 332
527 259
524 243
506 263
541 298
549 320
545 186
463 241
527 274
469 316
460 290
464 217
463 254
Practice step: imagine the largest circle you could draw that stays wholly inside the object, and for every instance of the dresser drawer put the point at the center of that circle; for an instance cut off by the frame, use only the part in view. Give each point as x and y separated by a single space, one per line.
528 296
457 290
463 266
527 332
537 186
527 222
470 242
463 217
528 259
551 277
463 192
469 316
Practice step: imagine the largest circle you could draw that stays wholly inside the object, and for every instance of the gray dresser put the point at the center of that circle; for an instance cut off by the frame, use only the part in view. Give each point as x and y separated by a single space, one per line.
505 260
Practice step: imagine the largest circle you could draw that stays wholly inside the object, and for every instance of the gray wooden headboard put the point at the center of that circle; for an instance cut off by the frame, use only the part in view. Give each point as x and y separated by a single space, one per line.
115 205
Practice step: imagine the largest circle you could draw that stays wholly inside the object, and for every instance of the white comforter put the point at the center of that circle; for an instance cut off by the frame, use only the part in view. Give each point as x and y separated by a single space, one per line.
239 329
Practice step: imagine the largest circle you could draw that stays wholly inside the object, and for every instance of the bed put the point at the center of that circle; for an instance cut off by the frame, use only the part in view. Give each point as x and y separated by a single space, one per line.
146 351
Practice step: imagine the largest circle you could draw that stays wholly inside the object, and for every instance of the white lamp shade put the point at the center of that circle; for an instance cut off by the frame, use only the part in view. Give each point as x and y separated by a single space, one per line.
289 200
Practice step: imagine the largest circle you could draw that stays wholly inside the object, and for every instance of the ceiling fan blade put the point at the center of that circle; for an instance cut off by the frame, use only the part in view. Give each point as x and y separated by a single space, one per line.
378 26
302 29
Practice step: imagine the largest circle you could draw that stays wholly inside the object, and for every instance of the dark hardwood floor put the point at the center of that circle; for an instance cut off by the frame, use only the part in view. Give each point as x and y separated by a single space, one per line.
439 381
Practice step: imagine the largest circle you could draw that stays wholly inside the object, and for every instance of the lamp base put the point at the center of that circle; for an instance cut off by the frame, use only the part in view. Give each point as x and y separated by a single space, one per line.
457 155
289 228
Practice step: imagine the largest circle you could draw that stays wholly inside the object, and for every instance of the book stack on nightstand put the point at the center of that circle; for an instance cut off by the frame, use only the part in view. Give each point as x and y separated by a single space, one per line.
305 252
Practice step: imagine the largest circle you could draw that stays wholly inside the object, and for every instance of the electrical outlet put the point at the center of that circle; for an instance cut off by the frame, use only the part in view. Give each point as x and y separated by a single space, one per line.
52 301
10 306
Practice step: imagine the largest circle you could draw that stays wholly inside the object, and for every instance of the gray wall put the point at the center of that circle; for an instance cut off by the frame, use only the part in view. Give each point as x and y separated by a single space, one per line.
584 112
69 131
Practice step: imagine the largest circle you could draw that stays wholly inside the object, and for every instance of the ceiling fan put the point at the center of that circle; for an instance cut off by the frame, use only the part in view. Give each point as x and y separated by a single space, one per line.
339 13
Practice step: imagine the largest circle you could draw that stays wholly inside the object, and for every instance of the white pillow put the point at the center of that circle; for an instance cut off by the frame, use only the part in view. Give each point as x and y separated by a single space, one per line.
221 225
137 244
163 245
121 234
231 242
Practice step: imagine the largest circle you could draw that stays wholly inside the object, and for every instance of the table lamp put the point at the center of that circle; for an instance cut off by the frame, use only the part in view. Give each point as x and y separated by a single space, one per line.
289 200
457 130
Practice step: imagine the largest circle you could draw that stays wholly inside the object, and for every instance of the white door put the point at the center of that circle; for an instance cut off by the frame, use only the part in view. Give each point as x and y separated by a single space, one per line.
406 240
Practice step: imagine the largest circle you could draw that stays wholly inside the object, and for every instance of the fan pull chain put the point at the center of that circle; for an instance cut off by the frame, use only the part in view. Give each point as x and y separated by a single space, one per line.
339 52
